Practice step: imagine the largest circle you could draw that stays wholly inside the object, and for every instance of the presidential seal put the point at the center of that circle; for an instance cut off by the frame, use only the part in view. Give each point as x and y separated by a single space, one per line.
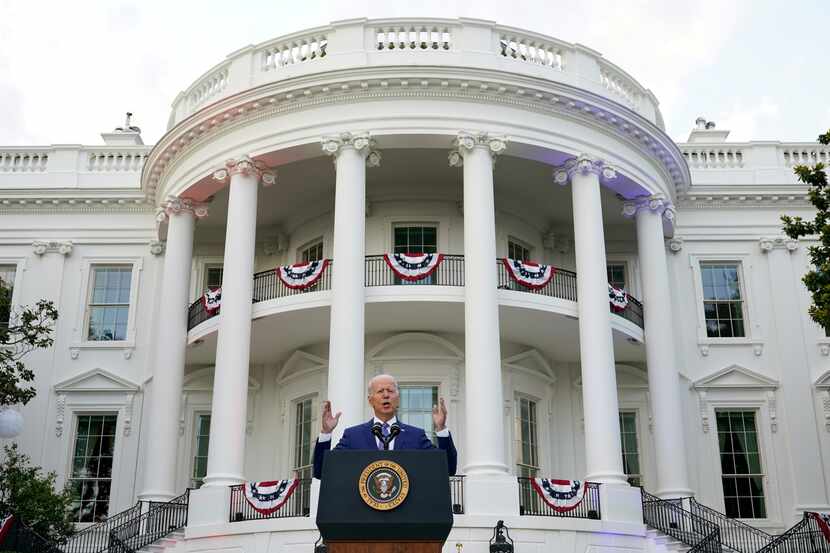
383 485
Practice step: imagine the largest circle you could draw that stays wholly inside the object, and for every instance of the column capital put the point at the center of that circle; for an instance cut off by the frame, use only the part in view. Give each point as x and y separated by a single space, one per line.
779 242
247 166
583 164
362 142
656 204
465 142
174 205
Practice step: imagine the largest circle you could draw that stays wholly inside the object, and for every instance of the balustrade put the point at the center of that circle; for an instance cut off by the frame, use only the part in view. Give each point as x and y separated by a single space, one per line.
530 504
413 37
706 158
23 162
114 161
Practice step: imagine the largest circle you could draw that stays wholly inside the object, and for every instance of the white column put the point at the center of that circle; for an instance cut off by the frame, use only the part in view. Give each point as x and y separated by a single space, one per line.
663 378
170 349
226 453
603 456
346 390
489 487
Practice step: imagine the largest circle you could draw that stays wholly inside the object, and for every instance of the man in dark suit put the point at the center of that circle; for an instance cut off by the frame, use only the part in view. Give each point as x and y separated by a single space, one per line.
384 397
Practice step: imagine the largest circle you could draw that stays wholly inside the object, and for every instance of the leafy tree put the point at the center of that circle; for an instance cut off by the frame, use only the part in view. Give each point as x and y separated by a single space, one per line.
30 495
818 279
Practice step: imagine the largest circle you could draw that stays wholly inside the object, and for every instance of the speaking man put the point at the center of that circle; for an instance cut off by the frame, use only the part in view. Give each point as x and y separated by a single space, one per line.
384 397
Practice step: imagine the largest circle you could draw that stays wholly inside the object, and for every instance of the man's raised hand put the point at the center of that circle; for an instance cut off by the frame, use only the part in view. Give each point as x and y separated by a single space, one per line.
330 421
439 415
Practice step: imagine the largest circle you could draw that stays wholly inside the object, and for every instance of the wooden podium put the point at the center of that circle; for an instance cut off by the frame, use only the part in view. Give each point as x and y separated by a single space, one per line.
361 508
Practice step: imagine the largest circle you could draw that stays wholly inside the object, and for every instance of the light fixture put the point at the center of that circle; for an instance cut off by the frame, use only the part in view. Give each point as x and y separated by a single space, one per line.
501 543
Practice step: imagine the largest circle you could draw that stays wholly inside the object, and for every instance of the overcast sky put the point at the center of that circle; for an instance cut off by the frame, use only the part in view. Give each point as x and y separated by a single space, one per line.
69 70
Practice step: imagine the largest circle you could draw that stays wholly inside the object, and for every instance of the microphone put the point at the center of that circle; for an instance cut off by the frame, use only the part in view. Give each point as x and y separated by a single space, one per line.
377 431
394 430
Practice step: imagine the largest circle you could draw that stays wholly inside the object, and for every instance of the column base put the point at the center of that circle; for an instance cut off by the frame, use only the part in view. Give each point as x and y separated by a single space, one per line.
209 506
215 480
674 493
611 478
621 503
156 495
495 495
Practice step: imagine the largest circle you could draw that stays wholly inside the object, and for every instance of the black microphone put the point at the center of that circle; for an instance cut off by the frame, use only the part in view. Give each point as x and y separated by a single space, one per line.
377 431
394 430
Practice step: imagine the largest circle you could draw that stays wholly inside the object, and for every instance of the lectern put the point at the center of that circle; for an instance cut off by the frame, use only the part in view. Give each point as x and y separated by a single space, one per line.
385 501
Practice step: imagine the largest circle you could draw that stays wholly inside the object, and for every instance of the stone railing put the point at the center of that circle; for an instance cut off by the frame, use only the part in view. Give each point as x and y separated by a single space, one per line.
462 43
71 166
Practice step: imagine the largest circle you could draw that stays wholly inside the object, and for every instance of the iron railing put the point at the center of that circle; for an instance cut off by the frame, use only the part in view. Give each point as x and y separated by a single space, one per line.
268 286
22 539
296 506
734 534
669 517
95 538
457 494
532 505
157 521
804 537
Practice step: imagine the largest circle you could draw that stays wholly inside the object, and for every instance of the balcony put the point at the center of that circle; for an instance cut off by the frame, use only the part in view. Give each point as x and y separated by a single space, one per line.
530 504
450 273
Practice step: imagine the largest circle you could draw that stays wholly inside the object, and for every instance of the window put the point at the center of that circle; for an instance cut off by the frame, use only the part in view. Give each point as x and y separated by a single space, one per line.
616 275
415 239
527 454
723 306
213 276
7 274
200 455
416 407
303 448
630 447
109 304
310 252
91 476
517 250
740 460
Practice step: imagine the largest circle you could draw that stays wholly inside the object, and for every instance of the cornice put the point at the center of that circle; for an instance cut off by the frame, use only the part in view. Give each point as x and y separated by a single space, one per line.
348 86
741 200
66 204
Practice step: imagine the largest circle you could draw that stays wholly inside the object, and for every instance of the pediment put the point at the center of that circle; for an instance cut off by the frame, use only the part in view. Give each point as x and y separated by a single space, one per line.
736 376
628 378
300 362
823 381
202 381
415 345
531 361
97 380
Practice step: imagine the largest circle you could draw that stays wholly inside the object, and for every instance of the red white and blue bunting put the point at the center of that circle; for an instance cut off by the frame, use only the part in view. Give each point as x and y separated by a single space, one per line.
5 526
823 521
267 497
561 495
212 300
413 267
618 299
527 273
302 275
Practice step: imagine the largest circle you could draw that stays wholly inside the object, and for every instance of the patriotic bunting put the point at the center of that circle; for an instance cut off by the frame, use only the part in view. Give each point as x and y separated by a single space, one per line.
212 300
413 267
302 275
561 495
618 299
823 520
527 273
268 497
5 526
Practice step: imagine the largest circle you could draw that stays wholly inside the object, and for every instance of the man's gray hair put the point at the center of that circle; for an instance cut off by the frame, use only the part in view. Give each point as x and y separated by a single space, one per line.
372 381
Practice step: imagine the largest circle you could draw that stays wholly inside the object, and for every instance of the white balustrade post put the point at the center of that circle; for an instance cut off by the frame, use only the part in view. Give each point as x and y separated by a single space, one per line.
663 378
346 391
603 455
170 349
226 452
489 487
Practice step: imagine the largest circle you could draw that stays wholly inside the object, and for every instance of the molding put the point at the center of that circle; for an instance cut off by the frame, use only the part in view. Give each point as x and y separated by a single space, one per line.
247 166
49 203
822 385
157 247
97 381
174 205
675 244
656 203
735 377
465 142
742 199
531 362
583 164
41 247
778 242
362 142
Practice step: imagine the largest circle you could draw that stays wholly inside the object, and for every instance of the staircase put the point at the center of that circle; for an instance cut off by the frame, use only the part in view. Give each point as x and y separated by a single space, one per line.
659 542
167 544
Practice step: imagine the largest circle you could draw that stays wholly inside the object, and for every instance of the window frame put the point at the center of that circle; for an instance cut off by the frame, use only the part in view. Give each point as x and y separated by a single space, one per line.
430 432
81 330
194 446
90 293
764 474
637 436
626 277
107 409
524 244
517 438
206 272
19 266
742 300
307 245
422 224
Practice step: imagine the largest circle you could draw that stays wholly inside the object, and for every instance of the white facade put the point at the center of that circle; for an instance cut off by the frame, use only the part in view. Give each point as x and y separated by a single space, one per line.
551 148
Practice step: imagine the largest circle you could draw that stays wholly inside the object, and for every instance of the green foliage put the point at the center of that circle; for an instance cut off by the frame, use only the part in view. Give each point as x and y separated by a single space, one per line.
22 330
31 495
817 280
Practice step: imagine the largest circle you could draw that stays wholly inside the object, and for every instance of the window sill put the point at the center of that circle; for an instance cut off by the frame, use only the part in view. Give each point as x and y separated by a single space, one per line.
127 347
703 344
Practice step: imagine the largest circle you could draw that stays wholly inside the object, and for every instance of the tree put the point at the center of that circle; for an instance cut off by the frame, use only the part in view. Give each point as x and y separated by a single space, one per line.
31 496
818 279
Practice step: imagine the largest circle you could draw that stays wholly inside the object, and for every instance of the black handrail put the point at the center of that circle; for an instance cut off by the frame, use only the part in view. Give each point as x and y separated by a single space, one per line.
804 537
449 273
669 517
157 521
532 505
298 505
457 494
95 538
735 535
23 539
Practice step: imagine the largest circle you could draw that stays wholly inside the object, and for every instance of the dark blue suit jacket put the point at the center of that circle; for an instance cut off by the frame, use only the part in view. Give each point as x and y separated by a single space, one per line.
361 437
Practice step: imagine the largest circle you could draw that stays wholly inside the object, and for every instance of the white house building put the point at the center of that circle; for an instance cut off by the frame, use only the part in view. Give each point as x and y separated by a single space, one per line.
458 137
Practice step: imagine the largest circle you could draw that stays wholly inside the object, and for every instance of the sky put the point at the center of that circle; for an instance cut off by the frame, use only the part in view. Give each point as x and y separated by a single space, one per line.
69 70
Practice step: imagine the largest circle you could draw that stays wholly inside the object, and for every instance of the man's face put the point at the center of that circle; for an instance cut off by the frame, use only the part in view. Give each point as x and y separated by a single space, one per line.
384 398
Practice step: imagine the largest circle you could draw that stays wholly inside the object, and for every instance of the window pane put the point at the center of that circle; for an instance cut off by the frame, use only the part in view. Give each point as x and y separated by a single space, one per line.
91 473
741 467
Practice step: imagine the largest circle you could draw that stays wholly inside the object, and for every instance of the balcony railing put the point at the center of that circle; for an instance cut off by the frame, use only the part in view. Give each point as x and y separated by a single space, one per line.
804 537
298 505
450 273
531 504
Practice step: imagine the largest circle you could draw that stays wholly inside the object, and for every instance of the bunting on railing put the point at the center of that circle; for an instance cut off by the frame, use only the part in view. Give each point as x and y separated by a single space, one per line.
823 521
561 495
212 300
5 526
268 497
302 275
414 266
618 299
527 273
